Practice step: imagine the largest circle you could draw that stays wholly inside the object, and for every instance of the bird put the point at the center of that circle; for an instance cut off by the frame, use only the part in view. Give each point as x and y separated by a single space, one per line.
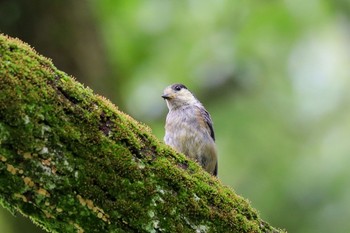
189 127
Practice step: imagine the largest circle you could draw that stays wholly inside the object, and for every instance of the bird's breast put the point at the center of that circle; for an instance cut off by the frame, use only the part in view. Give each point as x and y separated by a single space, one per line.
185 132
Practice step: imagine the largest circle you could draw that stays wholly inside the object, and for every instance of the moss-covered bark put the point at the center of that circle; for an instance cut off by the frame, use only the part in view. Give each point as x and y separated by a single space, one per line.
72 162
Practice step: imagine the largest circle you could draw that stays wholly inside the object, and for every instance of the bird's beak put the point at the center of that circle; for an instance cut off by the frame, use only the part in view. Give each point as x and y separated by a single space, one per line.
166 96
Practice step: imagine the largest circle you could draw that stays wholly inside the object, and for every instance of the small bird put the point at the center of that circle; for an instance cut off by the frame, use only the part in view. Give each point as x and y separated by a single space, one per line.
189 128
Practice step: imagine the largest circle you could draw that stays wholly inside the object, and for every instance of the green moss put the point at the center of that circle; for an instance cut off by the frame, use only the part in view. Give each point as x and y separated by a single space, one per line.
74 163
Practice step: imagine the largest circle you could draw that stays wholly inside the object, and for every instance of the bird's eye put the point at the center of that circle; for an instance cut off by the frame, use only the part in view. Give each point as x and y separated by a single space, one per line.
178 88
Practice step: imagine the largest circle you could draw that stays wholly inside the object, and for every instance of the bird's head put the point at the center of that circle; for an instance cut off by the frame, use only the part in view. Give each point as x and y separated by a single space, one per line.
177 95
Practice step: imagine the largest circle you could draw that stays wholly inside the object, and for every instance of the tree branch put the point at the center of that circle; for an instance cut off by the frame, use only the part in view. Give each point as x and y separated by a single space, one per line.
72 162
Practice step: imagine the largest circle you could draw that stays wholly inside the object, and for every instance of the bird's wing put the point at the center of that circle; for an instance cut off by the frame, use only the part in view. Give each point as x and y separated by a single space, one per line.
215 173
206 116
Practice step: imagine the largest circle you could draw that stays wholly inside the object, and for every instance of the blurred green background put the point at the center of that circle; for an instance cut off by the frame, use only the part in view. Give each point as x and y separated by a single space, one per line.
275 76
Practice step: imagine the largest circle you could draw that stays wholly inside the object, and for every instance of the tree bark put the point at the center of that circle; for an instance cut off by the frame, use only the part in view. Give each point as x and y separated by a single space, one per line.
72 162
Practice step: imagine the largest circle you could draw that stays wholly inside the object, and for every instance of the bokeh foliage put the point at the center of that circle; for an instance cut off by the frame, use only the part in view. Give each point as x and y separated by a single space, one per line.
273 74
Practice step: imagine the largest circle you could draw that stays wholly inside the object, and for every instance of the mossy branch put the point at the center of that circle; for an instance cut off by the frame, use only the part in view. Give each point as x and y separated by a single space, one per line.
72 162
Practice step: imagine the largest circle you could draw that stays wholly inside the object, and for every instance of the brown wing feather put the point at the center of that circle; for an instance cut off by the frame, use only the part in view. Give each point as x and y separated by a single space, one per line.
215 173
208 121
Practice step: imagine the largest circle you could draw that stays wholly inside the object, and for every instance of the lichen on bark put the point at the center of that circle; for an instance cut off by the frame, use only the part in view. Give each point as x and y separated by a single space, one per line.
72 162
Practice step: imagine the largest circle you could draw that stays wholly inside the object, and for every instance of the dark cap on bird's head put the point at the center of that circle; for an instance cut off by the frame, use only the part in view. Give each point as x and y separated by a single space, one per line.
178 86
